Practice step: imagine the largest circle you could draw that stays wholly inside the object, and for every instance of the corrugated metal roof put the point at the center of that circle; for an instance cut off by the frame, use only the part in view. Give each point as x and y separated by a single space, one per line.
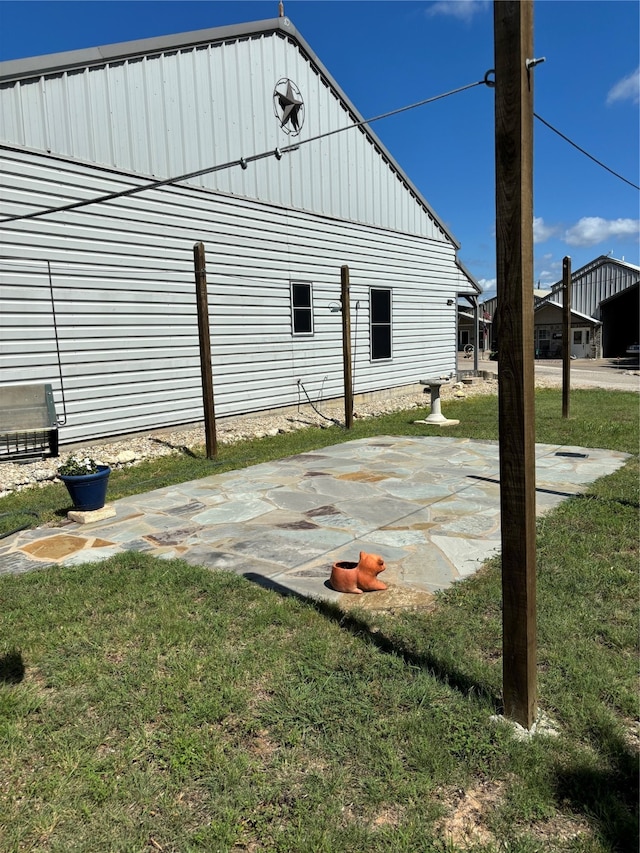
594 283
472 279
558 306
54 63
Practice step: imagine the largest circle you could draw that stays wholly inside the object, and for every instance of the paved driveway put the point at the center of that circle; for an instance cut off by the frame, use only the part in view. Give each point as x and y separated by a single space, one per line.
611 374
617 374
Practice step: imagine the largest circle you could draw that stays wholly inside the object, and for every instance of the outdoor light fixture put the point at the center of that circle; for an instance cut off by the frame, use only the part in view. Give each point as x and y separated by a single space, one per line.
449 301
335 307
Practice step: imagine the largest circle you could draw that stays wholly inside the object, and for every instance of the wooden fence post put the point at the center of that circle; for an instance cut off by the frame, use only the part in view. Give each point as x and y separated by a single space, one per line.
345 303
566 335
205 351
513 31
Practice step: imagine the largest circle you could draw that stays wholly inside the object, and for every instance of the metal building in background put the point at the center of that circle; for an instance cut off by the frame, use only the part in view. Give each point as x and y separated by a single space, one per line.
604 311
605 315
99 300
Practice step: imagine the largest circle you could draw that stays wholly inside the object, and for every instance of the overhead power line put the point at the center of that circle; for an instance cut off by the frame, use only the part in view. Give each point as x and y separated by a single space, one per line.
242 161
586 153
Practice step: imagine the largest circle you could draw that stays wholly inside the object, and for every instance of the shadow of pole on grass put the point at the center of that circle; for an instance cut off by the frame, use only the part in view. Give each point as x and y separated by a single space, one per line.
607 795
441 670
11 667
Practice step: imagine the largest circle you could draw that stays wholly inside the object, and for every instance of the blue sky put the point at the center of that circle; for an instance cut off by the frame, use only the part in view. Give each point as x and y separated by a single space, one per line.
388 54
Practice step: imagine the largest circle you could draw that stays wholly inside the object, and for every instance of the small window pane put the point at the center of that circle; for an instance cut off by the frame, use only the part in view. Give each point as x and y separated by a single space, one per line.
302 295
301 320
380 306
380 342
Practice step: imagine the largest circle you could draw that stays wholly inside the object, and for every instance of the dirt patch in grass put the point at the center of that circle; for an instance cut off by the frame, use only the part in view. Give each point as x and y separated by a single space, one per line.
388 816
395 599
261 746
632 734
469 811
259 694
249 847
465 824
560 829
385 816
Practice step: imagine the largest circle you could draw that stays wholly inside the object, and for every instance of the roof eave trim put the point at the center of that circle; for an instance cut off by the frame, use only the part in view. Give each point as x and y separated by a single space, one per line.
52 63
574 313
472 280
592 265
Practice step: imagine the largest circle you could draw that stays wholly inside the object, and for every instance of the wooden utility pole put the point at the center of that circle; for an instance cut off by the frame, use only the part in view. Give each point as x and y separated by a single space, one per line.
345 304
513 33
566 335
205 351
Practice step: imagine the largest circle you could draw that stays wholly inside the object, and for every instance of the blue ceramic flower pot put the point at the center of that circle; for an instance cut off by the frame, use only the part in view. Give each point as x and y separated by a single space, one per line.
88 491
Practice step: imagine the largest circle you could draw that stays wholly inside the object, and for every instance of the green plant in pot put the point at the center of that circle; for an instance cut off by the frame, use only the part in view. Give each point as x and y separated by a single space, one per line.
86 481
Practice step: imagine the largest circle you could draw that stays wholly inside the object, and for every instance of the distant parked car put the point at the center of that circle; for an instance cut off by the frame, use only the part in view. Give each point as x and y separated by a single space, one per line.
634 350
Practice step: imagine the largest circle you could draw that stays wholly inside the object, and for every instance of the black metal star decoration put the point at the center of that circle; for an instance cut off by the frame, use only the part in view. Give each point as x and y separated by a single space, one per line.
288 106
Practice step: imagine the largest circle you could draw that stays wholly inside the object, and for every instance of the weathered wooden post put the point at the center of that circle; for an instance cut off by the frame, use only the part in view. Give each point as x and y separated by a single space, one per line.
566 335
345 303
513 31
205 351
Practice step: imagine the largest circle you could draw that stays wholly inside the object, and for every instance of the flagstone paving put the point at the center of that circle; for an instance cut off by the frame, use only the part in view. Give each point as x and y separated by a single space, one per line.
428 505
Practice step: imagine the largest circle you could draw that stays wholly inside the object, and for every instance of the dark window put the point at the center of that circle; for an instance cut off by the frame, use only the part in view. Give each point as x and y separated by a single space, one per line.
380 323
301 308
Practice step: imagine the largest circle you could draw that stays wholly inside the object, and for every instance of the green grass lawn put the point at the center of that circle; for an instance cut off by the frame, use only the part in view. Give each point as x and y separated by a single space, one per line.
152 705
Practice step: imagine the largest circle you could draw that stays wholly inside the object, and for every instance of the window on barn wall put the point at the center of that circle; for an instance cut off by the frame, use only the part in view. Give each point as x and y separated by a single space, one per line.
301 308
380 334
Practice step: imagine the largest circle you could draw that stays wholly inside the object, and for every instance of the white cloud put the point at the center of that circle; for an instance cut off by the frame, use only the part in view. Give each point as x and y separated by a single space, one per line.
542 232
464 10
546 276
627 89
591 230
487 284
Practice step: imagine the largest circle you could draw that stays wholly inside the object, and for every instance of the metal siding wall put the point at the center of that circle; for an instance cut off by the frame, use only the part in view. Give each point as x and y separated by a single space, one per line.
125 300
166 114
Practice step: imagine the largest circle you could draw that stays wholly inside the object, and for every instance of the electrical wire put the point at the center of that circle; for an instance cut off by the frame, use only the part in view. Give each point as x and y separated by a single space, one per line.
317 411
586 153
242 161
63 420
288 149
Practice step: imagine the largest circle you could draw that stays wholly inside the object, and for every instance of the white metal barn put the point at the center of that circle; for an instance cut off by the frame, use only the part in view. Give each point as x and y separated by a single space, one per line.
99 300
604 311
